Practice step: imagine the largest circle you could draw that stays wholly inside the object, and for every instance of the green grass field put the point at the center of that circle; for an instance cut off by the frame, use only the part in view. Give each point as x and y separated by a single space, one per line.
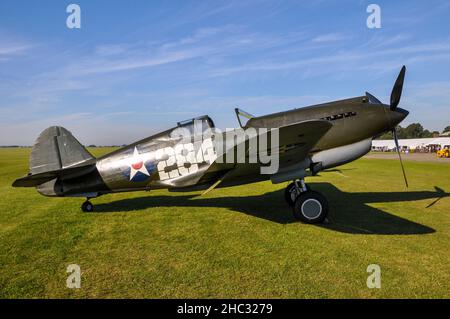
233 242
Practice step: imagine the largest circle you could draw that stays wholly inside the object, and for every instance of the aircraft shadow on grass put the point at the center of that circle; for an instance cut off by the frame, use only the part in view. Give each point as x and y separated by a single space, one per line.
349 212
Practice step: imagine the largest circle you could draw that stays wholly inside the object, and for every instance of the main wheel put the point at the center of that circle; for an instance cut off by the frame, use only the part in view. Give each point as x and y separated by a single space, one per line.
87 207
310 207
291 193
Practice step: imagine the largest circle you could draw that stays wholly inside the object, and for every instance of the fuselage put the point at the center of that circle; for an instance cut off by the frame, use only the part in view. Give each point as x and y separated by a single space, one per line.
149 164
354 120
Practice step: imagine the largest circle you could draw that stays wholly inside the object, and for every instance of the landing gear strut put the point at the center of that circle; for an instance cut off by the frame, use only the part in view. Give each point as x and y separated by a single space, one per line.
294 189
87 206
308 206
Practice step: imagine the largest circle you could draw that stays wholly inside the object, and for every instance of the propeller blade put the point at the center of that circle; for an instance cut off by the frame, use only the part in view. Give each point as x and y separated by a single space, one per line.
394 133
396 93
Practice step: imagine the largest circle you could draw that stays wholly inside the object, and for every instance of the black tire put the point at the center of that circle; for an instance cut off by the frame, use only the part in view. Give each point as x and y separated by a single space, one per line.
310 207
87 207
290 194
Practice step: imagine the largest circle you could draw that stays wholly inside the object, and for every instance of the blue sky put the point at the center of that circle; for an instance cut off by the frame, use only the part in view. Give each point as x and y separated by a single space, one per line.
138 67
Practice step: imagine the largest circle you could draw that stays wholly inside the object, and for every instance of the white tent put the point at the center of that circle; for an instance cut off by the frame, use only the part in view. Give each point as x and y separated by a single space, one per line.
442 141
412 143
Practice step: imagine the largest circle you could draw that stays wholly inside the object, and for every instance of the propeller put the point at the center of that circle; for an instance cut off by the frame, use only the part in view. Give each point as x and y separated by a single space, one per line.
394 133
396 93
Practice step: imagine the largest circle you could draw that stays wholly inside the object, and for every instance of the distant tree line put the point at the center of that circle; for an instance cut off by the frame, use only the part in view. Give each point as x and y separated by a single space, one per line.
414 130
93 145
13 146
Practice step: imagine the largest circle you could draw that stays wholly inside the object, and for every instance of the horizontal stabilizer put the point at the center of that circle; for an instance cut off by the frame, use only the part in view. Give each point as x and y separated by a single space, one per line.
33 180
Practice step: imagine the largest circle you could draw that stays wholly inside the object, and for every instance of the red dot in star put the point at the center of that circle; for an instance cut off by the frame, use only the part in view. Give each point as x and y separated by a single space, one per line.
137 165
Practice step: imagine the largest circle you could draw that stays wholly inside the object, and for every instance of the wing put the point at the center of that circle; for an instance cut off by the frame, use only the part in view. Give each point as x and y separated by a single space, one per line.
295 142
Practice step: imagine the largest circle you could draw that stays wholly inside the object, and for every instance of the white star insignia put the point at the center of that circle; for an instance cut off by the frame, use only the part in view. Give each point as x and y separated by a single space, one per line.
137 164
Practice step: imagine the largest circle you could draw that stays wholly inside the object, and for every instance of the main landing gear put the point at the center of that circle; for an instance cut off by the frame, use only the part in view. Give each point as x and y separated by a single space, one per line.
308 206
87 206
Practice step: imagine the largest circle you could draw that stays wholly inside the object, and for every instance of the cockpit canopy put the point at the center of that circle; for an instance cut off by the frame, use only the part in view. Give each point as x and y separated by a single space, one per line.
196 125
203 119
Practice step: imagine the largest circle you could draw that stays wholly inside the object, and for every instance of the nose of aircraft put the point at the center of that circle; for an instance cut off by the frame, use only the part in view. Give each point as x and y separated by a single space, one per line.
396 116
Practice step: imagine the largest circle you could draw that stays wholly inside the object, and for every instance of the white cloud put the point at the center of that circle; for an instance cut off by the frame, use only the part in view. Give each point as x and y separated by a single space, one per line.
354 60
12 47
330 37
111 49
219 51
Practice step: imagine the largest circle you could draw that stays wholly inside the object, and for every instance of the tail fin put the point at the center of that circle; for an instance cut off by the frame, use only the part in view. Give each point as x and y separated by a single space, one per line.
55 154
56 148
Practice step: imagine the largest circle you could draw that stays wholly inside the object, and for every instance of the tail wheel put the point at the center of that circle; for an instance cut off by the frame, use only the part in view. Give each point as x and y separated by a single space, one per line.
291 193
310 207
87 207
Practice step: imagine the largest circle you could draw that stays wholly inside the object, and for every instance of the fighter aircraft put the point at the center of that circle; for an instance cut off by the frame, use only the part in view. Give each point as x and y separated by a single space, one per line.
310 139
